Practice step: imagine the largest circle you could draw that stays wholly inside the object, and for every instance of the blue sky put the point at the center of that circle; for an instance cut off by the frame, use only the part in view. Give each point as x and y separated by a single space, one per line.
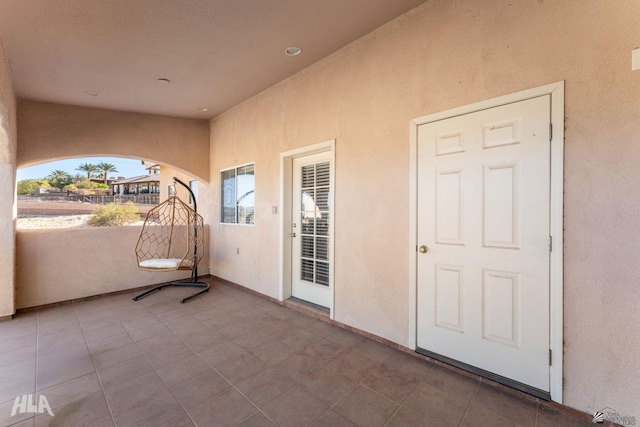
126 167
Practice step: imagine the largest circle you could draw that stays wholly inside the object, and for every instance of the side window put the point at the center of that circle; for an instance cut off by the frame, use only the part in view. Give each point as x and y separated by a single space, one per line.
238 195
193 185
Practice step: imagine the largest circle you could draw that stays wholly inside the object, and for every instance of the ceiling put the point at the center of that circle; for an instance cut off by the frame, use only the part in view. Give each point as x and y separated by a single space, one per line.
216 53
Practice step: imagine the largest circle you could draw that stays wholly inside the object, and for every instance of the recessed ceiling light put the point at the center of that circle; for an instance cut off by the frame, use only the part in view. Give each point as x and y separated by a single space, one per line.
164 81
203 109
92 93
292 51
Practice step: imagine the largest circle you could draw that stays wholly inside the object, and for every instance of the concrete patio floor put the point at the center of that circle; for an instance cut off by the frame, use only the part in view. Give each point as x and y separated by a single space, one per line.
230 358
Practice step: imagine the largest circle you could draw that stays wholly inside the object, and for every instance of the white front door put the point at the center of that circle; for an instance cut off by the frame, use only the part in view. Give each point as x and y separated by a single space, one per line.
483 237
311 230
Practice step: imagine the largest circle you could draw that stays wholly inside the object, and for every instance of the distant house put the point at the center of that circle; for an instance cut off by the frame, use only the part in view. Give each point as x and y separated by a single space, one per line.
143 184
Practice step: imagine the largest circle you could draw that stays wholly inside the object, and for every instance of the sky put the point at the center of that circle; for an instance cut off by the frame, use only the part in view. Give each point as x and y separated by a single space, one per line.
127 168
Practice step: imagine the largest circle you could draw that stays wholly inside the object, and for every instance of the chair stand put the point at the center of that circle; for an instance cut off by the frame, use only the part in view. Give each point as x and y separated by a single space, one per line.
193 283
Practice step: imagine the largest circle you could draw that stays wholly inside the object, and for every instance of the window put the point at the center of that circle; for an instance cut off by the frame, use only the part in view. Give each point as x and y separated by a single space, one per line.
238 195
193 185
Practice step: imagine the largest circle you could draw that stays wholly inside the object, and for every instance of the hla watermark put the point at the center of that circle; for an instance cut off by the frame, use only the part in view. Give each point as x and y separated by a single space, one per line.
614 416
24 404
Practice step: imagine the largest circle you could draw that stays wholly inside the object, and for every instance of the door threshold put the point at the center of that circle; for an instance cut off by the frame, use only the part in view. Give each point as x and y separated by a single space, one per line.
308 305
533 391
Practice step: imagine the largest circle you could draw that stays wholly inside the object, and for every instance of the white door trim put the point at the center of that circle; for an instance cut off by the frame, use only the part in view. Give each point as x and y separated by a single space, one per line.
556 90
286 177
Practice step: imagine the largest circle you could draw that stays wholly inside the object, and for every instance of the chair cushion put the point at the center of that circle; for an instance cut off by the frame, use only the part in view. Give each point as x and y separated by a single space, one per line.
161 263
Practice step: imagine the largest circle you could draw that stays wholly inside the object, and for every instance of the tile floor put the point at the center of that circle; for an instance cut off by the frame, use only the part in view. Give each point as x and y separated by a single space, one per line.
229 358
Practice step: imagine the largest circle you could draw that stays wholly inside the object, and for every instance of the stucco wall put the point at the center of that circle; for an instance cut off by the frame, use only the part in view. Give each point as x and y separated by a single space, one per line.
51 131
8 143
440 55
203 195
61 265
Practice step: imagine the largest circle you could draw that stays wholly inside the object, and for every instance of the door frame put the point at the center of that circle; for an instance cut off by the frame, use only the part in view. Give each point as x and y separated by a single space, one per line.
556 91
286 202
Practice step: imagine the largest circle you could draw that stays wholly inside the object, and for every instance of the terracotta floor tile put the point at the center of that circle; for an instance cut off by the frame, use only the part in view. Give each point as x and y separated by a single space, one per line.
6 419
182 420
31 422
264 386
196 390
327 385
181 370
254 340
548 417
169 355
274 352
222 352
104 332
154 410
345 339
11 388
404 417
374 350
391 382
81 411
483 417
123 371
512 408
122 395
332 419
226 409
232 358
66 325
19 367
365 407
72 390
235 329
294 408
139 334
11 344
258 419
141 322
60 341
409 364
99 322
440 408
62 371
452 383
158 342
203 337
353 365
109 343
17 354
117 355
241 367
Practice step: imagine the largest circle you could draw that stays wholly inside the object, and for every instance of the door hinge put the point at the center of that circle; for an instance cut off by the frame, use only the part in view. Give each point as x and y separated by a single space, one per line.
550 357
550 244
550 131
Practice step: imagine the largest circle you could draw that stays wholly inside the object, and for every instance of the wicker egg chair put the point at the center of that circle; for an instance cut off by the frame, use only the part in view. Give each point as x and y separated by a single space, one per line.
172 238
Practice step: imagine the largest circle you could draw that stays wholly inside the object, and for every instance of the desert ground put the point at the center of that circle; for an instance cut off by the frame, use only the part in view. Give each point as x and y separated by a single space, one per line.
39 222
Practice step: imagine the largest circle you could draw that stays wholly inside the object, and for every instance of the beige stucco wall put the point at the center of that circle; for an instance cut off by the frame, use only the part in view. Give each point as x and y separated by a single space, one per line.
52 131
8 141
203 196
441 55
65 264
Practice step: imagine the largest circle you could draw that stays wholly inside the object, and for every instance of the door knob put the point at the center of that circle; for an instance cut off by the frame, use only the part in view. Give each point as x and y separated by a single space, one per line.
423 249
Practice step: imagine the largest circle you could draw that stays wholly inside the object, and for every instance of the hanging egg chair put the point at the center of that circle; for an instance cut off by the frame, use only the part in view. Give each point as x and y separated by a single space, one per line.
172 238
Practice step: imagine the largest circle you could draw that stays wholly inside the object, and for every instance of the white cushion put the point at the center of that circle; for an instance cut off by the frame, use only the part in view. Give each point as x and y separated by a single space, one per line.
161 263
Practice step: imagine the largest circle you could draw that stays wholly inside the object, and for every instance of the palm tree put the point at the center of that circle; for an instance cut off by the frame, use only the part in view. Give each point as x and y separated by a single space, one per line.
106 168
58 178
88 168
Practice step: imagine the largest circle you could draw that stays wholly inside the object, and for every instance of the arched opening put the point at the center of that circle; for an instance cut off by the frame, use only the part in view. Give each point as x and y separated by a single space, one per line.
66 193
